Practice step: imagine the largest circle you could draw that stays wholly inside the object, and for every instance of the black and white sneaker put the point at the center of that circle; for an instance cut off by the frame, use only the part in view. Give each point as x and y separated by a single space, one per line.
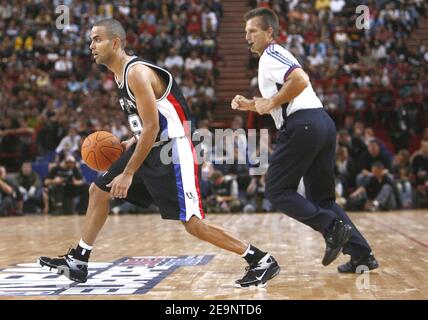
258 274
66 265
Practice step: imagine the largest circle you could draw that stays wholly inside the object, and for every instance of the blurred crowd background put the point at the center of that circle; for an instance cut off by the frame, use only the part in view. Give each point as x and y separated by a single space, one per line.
53 95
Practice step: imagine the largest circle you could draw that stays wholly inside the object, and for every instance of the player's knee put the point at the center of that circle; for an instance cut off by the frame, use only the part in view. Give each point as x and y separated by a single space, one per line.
96 193
196 227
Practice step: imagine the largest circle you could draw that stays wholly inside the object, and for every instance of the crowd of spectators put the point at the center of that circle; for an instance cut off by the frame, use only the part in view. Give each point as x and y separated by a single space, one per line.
370 177
53 94
367 79
370 72
373 84
51 85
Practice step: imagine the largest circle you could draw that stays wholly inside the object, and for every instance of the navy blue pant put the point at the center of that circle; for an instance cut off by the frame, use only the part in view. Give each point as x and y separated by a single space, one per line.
306 148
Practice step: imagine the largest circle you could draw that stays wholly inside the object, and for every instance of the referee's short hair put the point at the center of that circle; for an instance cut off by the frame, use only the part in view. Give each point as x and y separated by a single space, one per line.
268 18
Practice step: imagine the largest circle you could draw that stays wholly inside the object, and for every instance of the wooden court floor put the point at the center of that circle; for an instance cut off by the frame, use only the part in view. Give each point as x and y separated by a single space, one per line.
399 240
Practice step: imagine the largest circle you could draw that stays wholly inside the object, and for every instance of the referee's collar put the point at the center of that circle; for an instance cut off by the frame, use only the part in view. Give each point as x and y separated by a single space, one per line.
270 43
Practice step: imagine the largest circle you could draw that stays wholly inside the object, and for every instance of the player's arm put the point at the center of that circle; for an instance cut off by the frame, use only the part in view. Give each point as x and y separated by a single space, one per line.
141 80
296 82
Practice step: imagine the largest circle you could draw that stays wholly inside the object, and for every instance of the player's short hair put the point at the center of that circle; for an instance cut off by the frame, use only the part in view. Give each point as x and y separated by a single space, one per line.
268 18
114 29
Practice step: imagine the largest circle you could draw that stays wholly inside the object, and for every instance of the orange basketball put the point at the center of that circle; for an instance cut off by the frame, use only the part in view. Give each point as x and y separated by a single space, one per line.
100 149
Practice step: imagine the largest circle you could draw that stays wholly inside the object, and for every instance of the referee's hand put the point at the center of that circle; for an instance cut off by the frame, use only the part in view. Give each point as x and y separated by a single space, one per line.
240 103
262 105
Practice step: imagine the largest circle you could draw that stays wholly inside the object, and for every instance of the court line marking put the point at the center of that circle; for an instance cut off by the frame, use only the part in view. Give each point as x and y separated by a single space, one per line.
423 244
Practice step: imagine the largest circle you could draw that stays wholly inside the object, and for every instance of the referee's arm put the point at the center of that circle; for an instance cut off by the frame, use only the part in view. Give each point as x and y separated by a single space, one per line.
296 82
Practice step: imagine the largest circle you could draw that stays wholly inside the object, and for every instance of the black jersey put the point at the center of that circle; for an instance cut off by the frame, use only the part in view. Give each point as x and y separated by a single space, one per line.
173 111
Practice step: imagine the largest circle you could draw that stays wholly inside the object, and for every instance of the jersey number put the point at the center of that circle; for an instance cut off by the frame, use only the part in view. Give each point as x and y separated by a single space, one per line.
135 124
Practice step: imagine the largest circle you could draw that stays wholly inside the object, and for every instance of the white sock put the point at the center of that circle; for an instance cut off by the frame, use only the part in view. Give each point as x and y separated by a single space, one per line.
85 247
247 251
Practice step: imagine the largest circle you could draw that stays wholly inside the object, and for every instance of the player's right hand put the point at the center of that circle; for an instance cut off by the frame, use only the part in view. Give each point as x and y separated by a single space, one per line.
127 143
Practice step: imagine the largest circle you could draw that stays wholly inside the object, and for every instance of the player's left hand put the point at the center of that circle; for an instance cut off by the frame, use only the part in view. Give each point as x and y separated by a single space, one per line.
263 105
120 185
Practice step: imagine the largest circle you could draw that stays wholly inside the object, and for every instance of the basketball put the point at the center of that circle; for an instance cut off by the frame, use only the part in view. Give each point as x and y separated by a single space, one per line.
100 149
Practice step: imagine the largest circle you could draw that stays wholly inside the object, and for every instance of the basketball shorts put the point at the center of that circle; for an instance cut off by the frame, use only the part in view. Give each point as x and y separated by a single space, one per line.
172 185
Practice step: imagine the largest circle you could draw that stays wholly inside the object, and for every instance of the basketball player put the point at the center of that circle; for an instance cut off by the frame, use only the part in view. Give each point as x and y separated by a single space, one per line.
156 110
305 145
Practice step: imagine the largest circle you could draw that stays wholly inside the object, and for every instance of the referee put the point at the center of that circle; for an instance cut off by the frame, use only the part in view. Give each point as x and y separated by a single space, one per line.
305 145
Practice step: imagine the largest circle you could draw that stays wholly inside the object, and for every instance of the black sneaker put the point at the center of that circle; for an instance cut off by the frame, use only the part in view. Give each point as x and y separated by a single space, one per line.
258 274
359 265
335 239
66 265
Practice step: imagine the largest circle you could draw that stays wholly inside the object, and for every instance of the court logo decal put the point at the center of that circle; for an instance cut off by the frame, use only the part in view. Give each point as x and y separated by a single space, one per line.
126 276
